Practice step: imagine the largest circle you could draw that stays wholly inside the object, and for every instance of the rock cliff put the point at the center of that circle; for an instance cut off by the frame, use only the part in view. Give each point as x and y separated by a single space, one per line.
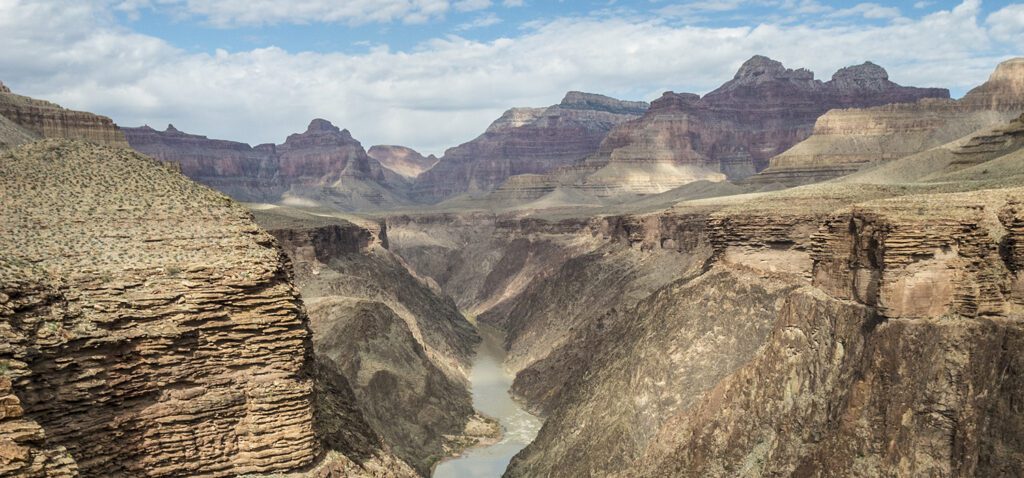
323 164
404 349
142 349
731 132
526 141
24 119
404 161
237 169
848 140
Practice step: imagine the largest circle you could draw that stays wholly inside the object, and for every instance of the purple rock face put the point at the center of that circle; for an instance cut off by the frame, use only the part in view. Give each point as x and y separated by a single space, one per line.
526 141
764 110
318 157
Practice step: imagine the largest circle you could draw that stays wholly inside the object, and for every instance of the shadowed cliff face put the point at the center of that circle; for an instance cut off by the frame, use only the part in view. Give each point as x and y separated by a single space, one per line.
791 334
404 350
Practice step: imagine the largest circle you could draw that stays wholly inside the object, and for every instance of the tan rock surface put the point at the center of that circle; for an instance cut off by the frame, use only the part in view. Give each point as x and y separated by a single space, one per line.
174 343
24 119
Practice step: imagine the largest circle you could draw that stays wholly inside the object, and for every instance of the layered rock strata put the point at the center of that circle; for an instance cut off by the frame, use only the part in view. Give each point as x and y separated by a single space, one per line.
161 348
24 119
526 141
729 133
402 160
848 140
324 164
404 350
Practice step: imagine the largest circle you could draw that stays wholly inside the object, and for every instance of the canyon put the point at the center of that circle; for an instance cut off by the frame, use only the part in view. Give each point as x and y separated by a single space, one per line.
784 277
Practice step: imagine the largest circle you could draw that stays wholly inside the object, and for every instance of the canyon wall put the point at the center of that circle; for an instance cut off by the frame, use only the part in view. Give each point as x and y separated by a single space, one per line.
139 345
729 133
848 140
143 350
404 349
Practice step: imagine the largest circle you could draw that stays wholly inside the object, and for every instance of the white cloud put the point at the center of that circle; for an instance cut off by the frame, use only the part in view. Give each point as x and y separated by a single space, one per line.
871 11
1007 24
230 13
923 4
472 5
447 90
512 3
485 20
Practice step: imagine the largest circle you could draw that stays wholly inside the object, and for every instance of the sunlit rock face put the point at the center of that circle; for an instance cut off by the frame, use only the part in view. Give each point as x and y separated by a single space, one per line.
402 160
24 119
141 342
848 140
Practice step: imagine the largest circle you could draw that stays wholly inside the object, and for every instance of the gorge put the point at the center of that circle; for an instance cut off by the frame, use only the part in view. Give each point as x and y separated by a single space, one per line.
783 277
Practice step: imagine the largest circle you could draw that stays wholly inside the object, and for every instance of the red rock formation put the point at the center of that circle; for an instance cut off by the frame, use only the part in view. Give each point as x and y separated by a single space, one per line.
526 141
847 140
322 155
237 169
404 161
760 113
323 163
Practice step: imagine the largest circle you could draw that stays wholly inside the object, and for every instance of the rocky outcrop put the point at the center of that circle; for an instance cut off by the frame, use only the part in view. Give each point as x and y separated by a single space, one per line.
404 350
730 133
237 169
404 161
847 140
526 141
144 345
1004 90
324 164
819 378
24 119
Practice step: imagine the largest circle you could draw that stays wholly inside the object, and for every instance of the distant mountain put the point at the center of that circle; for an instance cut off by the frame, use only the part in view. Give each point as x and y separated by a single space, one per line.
729 133
402 160
848 140
526 141
323 164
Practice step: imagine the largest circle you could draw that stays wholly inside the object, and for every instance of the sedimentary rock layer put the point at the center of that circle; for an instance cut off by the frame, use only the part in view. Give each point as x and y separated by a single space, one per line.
835 306
847 140
404 350
161 335
24 119
323 164
402 160
526 141
731 132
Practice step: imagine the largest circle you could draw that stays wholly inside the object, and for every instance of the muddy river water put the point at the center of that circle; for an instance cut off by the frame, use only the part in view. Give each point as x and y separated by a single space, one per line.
490 384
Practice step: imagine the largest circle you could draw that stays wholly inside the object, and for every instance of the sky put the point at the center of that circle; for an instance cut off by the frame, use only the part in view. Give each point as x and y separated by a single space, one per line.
431 74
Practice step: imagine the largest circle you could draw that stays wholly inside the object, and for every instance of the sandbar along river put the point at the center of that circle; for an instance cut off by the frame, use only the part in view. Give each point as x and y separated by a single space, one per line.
490 384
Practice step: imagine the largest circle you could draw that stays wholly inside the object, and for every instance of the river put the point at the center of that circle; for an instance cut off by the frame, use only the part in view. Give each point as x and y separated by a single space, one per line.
490 383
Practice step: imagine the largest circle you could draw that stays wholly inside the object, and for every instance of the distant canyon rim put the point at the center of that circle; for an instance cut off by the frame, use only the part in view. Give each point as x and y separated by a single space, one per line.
782 277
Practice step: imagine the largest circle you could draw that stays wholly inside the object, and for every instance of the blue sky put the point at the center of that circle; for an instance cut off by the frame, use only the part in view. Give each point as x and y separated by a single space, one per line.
198 32
433 73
